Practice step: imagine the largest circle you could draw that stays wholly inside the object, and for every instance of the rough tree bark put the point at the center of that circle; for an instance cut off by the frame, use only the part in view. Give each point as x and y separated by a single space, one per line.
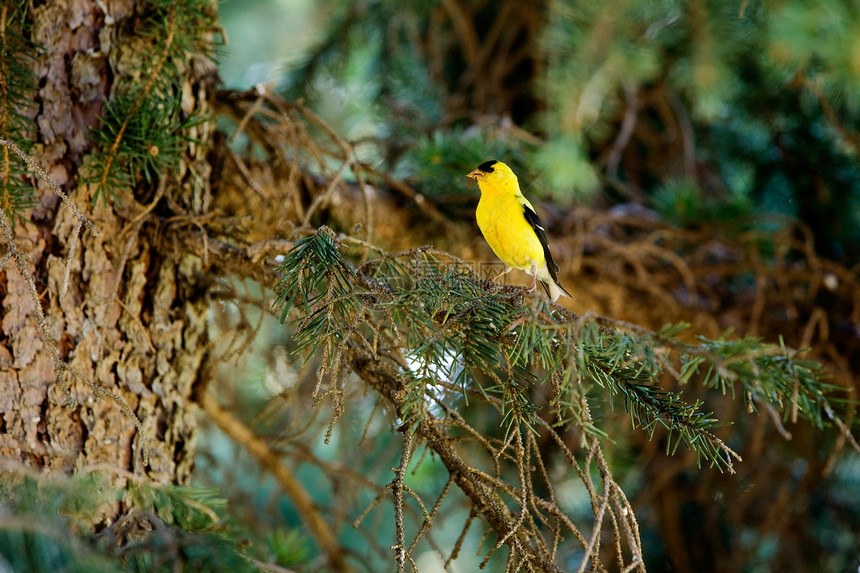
134 319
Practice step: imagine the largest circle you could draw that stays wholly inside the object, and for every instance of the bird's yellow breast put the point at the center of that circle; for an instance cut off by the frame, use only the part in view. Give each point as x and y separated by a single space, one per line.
506 230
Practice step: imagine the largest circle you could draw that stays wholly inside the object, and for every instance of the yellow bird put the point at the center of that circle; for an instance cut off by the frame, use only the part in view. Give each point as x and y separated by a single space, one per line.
512 228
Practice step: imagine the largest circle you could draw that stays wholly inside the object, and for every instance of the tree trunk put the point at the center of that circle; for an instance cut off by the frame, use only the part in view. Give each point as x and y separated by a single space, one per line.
133 320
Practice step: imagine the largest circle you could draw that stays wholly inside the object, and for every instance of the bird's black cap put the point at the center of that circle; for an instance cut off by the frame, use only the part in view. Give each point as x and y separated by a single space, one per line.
487 166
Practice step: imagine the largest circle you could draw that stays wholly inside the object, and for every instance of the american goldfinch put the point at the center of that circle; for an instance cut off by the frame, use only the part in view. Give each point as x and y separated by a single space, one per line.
512 228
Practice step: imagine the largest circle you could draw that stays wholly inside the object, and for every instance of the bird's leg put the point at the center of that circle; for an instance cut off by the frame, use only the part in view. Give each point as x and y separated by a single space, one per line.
534 278
503 273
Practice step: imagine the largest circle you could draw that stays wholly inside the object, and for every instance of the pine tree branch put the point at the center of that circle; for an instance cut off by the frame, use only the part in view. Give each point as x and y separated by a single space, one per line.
17 83
153 76
144 127
388 384
624 361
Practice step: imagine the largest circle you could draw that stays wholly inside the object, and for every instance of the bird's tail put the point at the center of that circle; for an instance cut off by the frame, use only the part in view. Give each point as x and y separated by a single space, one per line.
555 290
551 286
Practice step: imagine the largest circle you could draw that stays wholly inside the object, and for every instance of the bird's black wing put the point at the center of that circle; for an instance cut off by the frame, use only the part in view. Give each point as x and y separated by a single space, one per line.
534 221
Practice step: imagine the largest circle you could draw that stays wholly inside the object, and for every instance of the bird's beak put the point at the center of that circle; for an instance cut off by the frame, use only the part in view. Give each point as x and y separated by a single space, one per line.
477 175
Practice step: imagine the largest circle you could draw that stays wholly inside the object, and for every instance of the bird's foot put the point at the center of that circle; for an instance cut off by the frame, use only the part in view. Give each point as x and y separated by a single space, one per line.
534 278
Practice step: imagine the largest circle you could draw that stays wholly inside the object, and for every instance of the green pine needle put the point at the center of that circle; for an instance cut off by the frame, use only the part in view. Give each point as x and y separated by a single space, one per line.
144 130
17 85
